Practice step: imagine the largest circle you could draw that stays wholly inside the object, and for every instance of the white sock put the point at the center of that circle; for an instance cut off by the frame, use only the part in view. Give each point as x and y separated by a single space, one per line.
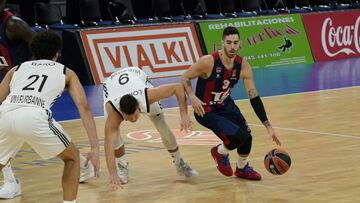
121 160
242 161
222 149
176 156
74 201
8 173
82 161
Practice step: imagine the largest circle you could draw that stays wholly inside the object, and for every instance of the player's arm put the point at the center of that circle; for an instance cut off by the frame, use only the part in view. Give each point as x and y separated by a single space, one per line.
16 28
112 123
255 100
78 95
168 90
5 85
201 68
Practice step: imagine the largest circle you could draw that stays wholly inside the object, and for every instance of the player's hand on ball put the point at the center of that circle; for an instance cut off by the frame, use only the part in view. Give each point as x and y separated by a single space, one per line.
273 135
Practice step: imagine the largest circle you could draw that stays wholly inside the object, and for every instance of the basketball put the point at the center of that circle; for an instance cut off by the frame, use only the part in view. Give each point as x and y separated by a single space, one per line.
277 161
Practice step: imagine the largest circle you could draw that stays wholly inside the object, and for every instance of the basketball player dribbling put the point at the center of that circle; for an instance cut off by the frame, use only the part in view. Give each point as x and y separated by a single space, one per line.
215 109
26 94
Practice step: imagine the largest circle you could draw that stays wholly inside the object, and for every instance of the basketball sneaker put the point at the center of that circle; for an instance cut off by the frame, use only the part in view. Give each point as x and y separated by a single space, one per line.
247 173
123 172
183 169
222 161
86 172
10 189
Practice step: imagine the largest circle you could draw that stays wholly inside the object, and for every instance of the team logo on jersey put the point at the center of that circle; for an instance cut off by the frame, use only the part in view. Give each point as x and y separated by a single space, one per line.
218 71
233 76
190 138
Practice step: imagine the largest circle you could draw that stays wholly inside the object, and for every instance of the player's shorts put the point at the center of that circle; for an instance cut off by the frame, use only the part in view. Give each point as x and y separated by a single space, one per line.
34 126
225 122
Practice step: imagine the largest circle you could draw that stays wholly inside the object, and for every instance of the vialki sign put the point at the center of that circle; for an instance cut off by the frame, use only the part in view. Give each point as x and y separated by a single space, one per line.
266 41
334 35
161 51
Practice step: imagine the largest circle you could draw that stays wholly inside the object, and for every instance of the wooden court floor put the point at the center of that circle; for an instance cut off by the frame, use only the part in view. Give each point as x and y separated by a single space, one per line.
320 130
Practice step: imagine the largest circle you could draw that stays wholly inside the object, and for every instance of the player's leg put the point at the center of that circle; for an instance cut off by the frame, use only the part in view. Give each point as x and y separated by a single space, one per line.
243 169
71 172
121 164
229 132
49 140
10 143
169 141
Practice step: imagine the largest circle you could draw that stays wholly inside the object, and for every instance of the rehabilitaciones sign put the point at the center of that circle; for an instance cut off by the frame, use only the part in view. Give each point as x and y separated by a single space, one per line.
266 41
161 51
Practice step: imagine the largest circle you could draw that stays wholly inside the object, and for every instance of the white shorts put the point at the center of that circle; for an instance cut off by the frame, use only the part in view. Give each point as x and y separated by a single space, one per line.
34 126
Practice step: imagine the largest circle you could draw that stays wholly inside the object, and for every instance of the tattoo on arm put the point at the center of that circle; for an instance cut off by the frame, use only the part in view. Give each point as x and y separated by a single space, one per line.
252 93
267 124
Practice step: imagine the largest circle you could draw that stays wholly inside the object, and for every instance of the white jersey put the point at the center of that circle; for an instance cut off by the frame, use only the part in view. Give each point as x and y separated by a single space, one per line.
36 83
131 80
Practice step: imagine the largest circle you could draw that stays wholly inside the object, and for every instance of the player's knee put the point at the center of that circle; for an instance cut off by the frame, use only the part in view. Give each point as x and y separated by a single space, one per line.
245 148
70 154
239 139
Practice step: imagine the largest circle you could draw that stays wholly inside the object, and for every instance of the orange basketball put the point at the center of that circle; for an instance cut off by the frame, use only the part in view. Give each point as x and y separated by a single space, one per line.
277 161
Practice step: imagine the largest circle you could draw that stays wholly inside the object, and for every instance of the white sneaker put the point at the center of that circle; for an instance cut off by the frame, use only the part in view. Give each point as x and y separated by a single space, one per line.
183 169
10 190
123 172
86 172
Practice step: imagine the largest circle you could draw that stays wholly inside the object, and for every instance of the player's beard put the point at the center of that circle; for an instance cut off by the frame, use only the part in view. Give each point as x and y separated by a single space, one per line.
230 53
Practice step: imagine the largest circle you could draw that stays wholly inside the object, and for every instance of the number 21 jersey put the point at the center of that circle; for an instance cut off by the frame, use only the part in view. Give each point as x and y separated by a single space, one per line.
36 83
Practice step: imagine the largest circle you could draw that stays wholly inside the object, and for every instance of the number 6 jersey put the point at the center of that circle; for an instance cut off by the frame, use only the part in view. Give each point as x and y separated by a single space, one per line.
131 80
36 83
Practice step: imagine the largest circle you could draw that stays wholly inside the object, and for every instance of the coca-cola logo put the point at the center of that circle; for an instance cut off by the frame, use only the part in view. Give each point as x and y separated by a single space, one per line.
341 39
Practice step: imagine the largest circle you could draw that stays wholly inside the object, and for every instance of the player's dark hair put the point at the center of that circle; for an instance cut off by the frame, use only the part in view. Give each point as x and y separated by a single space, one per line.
45 45
128 104
230 31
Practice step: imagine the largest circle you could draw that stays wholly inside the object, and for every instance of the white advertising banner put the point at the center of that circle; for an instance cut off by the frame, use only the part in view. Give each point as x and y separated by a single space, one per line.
161 51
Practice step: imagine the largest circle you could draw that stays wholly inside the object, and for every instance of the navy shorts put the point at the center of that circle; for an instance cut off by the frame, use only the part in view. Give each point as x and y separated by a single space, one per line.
226 122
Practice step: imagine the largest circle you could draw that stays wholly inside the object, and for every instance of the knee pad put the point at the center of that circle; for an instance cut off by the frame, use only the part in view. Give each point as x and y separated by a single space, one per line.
167 136
239 139
246 147
118 142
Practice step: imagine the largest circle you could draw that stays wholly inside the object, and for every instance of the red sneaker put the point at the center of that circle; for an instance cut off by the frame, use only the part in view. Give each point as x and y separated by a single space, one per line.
247 173
222 161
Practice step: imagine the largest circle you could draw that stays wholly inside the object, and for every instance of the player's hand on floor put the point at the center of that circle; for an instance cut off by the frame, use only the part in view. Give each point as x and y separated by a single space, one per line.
115 182
93 157
197 105
273 135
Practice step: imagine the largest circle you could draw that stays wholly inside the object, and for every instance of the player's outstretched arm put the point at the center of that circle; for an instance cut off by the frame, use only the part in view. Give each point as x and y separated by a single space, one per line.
168 90
78 95
112 124
255 100
201 68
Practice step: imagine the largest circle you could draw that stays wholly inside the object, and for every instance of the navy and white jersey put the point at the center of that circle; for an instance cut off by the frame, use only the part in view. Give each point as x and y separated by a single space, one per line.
215 89
130 80
36 83
12 52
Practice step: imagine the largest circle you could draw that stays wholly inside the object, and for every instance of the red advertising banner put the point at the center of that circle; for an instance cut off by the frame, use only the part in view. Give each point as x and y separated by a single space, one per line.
333 35
161 51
